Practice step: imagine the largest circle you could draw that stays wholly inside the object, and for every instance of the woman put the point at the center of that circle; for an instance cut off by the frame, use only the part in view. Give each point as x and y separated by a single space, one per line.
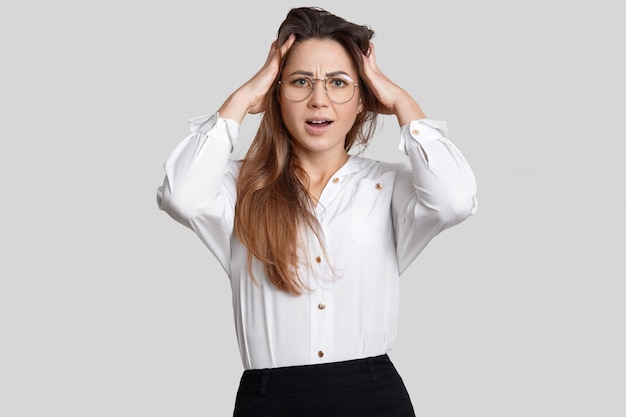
314 238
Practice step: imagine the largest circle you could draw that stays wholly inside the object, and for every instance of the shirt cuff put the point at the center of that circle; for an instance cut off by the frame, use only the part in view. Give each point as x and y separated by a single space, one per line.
206 123
421 132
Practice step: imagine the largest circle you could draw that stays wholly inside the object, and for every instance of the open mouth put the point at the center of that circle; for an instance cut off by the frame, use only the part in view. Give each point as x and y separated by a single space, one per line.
318 122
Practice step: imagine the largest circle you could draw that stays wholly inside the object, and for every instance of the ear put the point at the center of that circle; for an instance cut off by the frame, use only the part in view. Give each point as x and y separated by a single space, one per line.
359 109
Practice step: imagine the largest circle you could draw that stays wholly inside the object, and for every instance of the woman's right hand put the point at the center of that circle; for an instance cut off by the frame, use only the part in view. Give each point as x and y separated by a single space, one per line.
251 96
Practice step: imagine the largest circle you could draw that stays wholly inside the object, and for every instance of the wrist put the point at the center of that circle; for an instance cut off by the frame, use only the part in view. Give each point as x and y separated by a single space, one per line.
236 106
406 109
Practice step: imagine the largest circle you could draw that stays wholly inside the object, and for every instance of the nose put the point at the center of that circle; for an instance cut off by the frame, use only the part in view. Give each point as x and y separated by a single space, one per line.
318 97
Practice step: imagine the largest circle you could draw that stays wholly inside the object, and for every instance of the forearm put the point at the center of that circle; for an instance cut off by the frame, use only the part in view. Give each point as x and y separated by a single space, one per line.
406 109
436 192
236 106
442 178
195 167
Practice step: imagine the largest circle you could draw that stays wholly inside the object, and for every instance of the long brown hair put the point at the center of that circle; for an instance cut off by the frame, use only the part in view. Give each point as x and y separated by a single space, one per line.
273 205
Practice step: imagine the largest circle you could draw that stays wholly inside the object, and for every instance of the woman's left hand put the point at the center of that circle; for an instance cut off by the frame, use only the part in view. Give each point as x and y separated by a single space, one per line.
393 99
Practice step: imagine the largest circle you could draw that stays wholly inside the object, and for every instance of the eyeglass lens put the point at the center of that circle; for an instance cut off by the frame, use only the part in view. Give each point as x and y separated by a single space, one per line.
339 89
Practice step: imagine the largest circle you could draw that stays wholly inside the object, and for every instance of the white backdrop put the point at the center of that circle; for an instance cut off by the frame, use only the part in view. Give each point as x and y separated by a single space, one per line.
110 308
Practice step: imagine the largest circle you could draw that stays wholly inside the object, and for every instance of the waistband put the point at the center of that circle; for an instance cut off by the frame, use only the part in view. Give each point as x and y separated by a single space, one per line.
304 378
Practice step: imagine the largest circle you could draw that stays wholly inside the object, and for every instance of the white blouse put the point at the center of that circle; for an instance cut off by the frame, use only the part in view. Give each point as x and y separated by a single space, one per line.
375 218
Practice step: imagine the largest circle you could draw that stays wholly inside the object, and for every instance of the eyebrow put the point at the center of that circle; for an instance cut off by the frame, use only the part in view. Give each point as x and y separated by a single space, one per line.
328 74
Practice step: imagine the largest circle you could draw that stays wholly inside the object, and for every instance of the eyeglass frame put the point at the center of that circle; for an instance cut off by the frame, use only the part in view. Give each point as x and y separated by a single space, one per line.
281 82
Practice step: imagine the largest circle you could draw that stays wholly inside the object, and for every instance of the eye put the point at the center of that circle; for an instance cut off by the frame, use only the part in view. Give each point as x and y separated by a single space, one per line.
337 82
301 82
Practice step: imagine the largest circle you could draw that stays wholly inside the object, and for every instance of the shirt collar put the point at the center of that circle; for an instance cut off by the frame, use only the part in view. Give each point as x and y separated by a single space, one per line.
354 164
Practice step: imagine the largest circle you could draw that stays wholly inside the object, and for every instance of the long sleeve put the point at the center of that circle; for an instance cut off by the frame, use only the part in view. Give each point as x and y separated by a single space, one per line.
353 272
199 189
438 192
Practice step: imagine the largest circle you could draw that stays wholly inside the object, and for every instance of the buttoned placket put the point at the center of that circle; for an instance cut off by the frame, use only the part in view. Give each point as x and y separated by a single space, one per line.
321 299
320 306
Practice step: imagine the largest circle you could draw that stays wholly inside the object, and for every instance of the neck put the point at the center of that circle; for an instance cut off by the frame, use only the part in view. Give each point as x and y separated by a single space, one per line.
322 167
319 168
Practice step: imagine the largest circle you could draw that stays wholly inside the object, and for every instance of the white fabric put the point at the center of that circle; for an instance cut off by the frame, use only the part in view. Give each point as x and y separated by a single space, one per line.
375 218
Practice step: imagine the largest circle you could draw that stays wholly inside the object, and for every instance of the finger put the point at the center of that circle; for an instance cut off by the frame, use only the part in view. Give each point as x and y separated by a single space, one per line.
287 45
371 55
272 51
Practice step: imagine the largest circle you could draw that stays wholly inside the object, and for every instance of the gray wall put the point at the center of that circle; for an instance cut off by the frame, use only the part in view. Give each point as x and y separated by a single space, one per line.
110 308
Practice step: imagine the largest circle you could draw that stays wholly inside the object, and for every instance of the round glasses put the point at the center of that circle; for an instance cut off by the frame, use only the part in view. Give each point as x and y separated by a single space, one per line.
338 88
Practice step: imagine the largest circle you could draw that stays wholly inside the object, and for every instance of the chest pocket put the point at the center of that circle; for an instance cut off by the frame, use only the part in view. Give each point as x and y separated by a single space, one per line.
370 212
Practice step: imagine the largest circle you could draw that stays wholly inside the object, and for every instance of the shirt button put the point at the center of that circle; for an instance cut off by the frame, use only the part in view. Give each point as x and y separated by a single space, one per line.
321 306
379 186
318 259
335 180
320 354
415 132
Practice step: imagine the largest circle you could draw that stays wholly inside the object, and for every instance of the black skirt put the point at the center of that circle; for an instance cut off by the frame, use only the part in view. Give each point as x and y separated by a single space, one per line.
361 387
